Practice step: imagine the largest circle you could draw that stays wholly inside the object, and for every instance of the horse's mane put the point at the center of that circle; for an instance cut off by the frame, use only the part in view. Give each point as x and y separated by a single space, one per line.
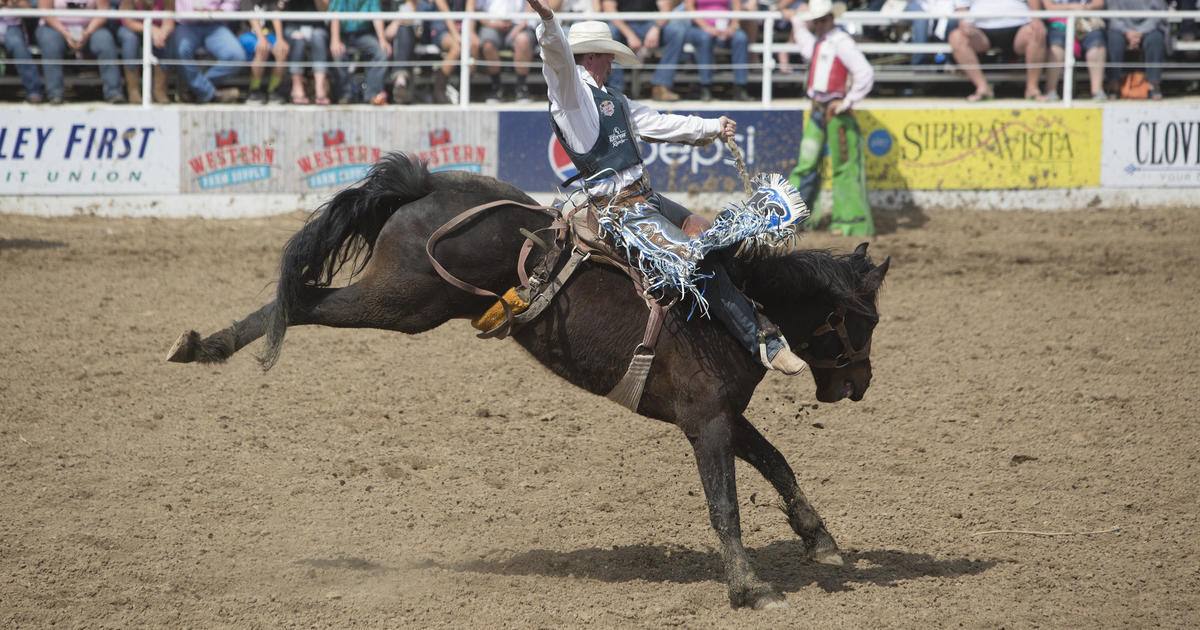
771 274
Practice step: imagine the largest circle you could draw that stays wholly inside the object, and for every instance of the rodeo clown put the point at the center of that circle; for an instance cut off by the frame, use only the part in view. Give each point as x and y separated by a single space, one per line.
839 77
598 127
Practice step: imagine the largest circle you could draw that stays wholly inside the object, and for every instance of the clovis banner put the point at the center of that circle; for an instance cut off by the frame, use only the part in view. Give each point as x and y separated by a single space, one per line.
984 149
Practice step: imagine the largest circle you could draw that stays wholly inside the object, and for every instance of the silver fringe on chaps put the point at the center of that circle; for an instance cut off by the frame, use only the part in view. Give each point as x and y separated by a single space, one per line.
766 217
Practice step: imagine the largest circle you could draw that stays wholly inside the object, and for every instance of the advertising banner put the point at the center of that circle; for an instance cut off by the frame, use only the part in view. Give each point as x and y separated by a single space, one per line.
768 141
1151 147
323 150
77 151
982 149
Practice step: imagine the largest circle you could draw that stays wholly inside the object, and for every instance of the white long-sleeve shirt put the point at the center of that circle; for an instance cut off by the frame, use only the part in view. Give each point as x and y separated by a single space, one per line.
574 109
847 52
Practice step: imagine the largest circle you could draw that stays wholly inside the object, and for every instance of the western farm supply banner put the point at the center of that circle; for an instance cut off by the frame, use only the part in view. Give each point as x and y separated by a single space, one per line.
1151 147
84 151
274 151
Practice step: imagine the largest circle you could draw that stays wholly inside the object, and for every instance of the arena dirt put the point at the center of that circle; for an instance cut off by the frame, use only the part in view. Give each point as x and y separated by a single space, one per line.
1033 371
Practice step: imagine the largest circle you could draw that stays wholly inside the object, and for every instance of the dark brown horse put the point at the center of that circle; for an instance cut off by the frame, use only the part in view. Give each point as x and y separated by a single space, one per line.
701 379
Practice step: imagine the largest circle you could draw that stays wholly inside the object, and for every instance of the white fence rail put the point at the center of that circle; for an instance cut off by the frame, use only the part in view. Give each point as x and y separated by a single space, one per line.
766 48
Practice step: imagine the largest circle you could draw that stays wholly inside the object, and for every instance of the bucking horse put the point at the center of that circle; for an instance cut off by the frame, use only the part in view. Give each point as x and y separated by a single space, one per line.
701 379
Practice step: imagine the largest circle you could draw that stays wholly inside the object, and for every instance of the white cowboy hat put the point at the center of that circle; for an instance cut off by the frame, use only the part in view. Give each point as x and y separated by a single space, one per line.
593 36
820 8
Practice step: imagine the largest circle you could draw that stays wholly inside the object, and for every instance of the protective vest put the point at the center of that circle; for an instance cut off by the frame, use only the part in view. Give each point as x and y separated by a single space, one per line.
827 74
615 147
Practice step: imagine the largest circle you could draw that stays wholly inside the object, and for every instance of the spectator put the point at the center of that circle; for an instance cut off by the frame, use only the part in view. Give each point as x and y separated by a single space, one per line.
56 35
672 36
1187 26
498 34
839 77
260 43
1145 34
130 38
939 28
641 36
369 40
446 34
17 46
305 38
1089 35
1020 36
403 36
215 37
705 33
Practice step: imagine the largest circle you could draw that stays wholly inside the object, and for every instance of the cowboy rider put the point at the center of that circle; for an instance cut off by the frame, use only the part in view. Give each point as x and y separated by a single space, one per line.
597 126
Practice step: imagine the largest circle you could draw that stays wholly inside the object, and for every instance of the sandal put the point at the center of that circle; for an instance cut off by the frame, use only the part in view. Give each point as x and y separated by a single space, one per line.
379 99
981 96
1037 97
322 100
299 98
1154 94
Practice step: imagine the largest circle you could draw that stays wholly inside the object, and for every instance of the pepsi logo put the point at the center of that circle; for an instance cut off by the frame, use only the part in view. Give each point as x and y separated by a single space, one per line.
560 162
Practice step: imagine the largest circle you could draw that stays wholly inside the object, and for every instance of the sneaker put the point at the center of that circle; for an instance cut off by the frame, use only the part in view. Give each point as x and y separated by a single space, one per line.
256 97
1099 96
57 99
522 94
451 94
35 98
379 99
705 93
226 95
740 93
787 362
400 93
277 98
497 95
114 98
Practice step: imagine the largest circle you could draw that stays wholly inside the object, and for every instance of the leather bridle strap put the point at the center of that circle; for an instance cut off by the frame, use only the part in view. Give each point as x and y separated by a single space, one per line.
502 330
849 354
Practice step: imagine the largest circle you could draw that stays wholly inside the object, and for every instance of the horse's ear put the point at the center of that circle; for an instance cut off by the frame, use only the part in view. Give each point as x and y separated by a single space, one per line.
861 250
871 282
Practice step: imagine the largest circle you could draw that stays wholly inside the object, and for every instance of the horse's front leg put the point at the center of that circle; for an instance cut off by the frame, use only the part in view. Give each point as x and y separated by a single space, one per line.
714 457
753 448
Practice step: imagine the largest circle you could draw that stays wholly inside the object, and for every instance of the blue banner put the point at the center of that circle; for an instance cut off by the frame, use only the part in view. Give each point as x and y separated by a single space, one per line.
769 140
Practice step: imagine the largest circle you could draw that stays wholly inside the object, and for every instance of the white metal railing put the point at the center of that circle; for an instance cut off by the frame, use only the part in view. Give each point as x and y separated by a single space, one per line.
767 48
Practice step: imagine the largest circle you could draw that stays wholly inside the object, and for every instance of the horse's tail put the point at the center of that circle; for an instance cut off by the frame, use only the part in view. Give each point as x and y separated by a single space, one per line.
342 230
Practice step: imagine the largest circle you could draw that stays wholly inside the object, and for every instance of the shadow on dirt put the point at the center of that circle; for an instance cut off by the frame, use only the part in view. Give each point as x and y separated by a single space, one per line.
28 243
776 563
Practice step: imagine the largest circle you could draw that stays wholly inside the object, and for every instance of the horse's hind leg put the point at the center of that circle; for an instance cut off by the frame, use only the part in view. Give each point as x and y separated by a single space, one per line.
714 457
753 448
220 345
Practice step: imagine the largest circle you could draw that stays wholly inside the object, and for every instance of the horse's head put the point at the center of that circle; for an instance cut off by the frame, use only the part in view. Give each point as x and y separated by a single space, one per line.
825 306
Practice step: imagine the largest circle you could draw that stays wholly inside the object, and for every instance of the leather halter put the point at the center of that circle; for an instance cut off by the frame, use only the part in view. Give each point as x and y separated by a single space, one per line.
835 322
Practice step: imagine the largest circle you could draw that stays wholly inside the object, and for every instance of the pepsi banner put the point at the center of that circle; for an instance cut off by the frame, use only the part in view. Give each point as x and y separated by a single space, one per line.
533 160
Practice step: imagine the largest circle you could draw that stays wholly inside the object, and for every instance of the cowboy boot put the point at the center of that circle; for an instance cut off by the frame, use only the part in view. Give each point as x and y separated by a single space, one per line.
133 85
161 77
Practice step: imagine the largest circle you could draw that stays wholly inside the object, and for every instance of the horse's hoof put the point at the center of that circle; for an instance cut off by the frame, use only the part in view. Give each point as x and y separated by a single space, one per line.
761 597
771 603
830 557
184 348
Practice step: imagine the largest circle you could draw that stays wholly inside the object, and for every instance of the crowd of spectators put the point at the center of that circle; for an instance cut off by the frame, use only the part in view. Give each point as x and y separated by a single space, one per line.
387 60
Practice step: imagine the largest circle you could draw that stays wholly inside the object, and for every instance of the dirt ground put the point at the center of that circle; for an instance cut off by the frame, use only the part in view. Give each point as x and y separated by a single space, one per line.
1033 371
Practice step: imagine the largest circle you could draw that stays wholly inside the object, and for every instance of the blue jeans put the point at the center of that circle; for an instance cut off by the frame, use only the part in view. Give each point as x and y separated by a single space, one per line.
131 48
922 30
298 47
739 46
366 43
101 44
616 78
1154 51
18 48
219 41
671 40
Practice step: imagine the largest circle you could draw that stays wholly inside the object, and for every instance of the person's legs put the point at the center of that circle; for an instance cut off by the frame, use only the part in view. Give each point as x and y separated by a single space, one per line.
1030 43
319 42
1094 52
1154 51
18 49
703 43
966 42
404 45
1056 55
103 46
1116 58
224 45
368 44
186 38
739 46
53 46
806 176
522 39
851 211
920 31
671 41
